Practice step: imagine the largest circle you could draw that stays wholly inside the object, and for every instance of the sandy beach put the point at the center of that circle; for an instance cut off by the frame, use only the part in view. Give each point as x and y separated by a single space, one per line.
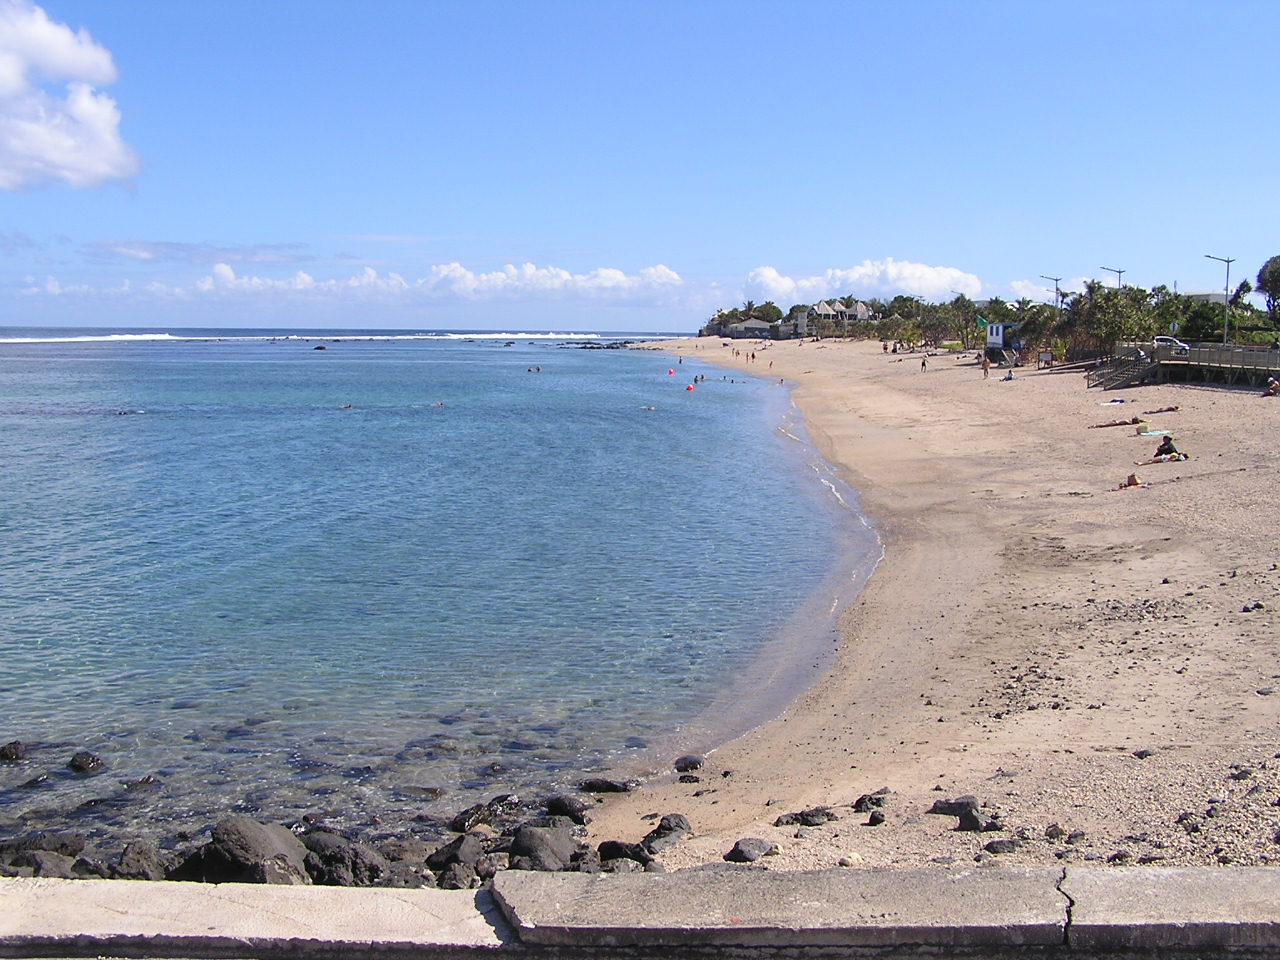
1098 666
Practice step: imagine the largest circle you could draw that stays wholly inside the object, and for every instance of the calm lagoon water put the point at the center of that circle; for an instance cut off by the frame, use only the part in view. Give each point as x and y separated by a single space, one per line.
285 580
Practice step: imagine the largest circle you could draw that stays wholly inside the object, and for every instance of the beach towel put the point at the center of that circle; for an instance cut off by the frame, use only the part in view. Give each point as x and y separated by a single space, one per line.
1155 433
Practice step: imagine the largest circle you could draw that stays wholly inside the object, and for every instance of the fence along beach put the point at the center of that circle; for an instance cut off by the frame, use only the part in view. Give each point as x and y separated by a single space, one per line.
1095 665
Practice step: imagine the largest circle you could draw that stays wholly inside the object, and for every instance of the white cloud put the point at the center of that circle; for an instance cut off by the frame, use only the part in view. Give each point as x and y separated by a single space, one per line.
443 282
224 279
169 251
48 135
871 278
1032 290
162 251
527 279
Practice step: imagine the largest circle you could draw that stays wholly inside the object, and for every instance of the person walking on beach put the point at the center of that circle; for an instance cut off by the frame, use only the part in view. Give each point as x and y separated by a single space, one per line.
986 366
924 363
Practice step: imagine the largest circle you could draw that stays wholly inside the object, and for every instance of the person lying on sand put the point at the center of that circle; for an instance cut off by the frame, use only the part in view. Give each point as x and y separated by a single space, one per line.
1131 481
1163 458
1116 423
1162 410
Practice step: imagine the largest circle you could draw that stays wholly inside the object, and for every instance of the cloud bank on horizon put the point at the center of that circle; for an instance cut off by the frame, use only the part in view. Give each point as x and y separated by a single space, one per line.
657 286
871 278
55 127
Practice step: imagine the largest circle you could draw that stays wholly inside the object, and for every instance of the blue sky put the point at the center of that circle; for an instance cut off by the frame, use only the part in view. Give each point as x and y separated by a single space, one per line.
618 166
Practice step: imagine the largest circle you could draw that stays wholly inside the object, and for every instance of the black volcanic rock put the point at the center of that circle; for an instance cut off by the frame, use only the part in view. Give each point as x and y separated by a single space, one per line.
139 860
749 850
604 785
66 844
618 850
689 763
671 829
246 851
565 805
464 849
542 848
86 763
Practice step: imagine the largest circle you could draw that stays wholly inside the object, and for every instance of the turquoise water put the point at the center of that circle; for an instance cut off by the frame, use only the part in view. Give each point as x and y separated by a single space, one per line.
285 580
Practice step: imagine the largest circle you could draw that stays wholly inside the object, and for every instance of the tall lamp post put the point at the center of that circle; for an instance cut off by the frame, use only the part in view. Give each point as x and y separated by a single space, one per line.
1057 295
1226 292
1119 275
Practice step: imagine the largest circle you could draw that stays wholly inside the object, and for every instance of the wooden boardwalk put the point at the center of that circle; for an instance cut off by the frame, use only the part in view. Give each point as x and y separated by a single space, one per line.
1223 363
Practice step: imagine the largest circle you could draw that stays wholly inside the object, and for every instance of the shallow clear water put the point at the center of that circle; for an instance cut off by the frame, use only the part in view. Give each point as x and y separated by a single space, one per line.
276 603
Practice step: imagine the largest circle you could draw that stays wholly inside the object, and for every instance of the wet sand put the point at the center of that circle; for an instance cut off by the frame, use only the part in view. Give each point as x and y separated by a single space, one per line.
1069 654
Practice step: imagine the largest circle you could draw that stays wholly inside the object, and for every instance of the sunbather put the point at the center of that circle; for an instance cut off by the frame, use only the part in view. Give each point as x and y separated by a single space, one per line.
1162 458
1131 481
1116 423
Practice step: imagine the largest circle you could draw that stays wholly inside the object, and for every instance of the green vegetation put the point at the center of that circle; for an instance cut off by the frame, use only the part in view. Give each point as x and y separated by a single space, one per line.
1086 322
1269 285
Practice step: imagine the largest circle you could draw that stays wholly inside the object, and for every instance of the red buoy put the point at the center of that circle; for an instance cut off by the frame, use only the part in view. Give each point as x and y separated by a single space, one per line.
689 387
671 373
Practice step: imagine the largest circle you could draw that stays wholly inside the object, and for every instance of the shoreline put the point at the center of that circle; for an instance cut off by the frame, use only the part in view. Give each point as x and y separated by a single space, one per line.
1093 666
1076 658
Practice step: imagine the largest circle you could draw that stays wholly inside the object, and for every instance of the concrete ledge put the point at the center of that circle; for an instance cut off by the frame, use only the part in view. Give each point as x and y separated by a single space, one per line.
746 907
78 917
741 912
1170 908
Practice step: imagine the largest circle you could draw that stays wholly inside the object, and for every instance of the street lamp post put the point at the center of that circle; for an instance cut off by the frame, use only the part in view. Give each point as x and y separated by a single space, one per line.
1057 295
1226 292
1057 301
1119 275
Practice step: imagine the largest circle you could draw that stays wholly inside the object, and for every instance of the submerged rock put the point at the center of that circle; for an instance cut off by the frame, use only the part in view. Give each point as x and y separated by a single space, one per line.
605 785
86 763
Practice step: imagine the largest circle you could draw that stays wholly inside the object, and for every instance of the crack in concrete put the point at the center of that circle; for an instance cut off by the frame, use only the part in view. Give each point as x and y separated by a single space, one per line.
1066 927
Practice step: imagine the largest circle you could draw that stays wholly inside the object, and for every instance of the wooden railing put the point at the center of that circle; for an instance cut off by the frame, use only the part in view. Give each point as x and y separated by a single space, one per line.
1131 363
1244 356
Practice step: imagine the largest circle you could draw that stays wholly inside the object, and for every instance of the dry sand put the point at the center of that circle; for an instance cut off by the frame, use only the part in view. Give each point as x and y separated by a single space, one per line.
1067 653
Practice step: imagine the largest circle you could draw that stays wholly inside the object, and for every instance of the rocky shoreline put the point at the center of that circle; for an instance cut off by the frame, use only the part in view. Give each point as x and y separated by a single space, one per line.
506 832
509 832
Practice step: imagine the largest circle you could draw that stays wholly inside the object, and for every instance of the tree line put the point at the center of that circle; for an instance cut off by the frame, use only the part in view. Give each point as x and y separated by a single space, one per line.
1083 322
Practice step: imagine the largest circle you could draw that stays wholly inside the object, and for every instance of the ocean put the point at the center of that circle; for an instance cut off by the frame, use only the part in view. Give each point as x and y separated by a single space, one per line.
393 577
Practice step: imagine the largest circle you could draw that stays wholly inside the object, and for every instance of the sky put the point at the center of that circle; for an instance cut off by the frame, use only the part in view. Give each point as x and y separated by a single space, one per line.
609 165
